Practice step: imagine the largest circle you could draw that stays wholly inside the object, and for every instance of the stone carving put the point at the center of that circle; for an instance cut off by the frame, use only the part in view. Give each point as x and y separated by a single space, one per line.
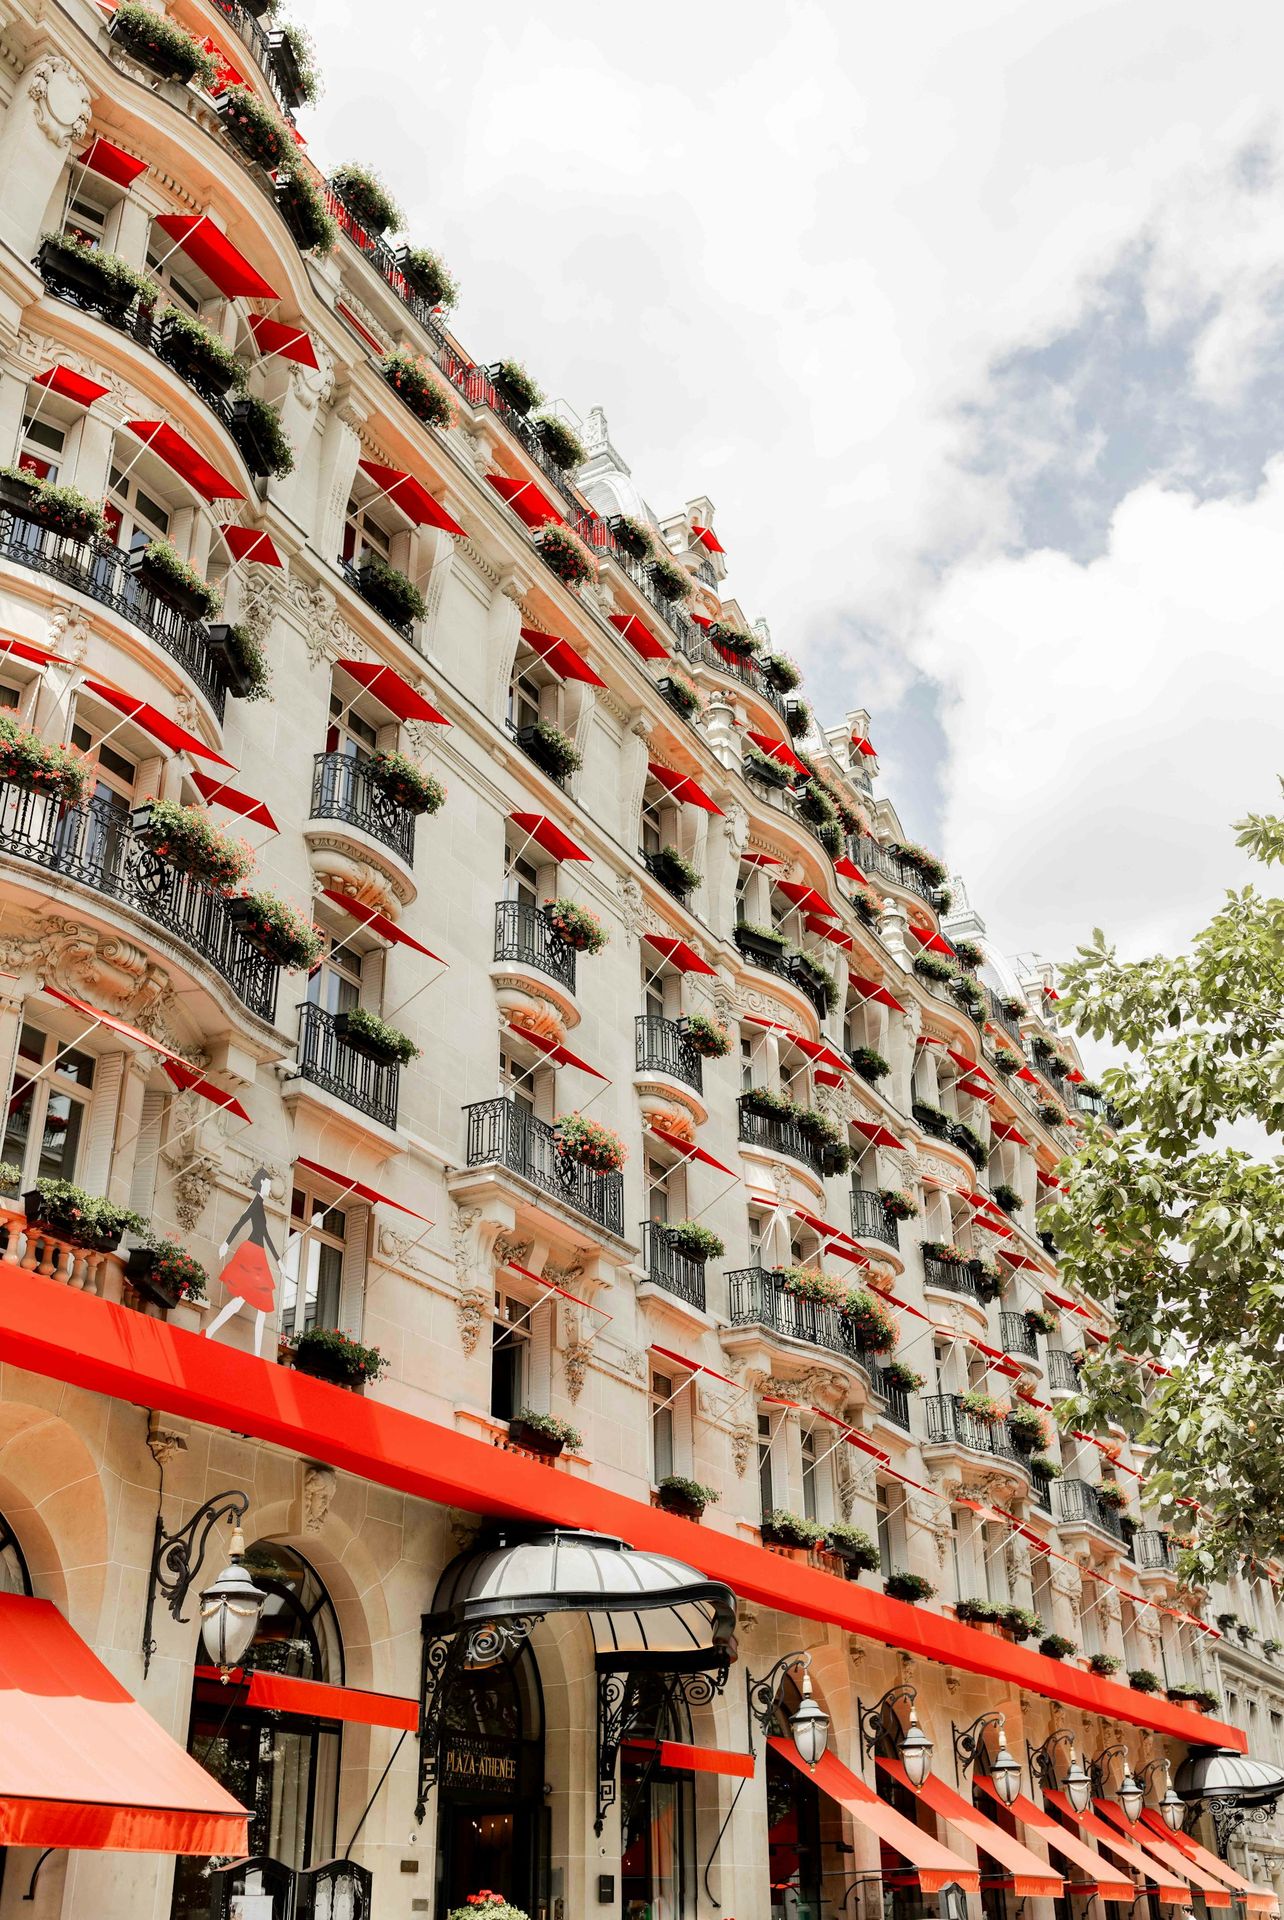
60 100
742 1440
326 634
633 910
471 1310
194 1172
512 1252
735 825
783 1181
163 1444
402 1249
68 629
575 1356
1067 1580
473 1235
319 1484
313 386
1017 1555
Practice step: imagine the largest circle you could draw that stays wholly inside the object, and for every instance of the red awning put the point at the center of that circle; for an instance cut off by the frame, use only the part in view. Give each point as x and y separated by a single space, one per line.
639 636
1167 1885
112 162
560 1056
864 746
250 543
682 1758
70 385
217 793
849 870
761 860
547 834
183 457
1169 1859
412 497
806 897
873 991
877 1134
561 658
175 1066
279 1693
27 650
397 694
104 1348
211 250
971 1067
682 787
816 1050
1256 1899
932 942
1103 1877
275 340
688 1149
168 732
1025 1074
378 923
1032 1878
188 1080
1005 1130
694 1366
1067 1305
777 750
684 957
347 1185
933 1865
542 1280
827 931
708 538
1015 1259
82 1765
526 500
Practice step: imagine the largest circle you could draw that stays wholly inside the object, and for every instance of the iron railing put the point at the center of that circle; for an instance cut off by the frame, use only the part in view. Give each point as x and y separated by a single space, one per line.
1017 1336
897 1407
500 1132
949 1421
760 1298
102 572
1063 1374
343 788
659 869
1151 1548
871 855
1041 1491
97 845
782 1136
525 933
676 1272
871 1220
662 1047
252 36
787 966
370 594
330 1062
953 1276
1078 1500
994 1007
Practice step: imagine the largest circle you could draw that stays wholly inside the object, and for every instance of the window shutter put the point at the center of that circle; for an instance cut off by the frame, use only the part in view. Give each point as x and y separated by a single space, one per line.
94 1169
539 1353
142 1191
352 1291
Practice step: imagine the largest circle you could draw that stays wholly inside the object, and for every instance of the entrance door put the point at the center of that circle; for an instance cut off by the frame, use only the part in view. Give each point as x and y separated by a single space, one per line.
490 1787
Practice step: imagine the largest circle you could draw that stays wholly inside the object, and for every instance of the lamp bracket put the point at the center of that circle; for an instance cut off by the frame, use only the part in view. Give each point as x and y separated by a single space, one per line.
870 1721
1042 1765
762 1693
968 1741
178 1557
1097 1767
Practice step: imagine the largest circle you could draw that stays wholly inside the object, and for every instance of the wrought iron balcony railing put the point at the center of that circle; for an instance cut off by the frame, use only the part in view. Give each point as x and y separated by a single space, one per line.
343 788
870 855
1000 1017
782 1136
871 1220
1079 1501
329 1061
1153 1550
367 588
676 1272
787 966
1063 1374
758 1297
500 1132
662 1047
525 933
659 869
897 1407
1041 1492
1017 1336
948 1420
97 845
953 1276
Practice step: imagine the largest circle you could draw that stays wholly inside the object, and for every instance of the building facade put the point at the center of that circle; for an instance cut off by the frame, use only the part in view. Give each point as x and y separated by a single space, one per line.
385 1129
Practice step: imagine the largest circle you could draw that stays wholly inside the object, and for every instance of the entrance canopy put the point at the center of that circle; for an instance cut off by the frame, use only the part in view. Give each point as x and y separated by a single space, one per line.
82 1764
645 1609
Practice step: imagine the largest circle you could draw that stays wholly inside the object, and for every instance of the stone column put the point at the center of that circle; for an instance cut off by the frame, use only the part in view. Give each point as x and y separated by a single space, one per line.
50 112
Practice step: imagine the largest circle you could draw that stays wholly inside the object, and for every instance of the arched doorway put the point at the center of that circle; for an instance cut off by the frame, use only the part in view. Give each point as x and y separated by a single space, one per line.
657 1805
14 1577
492 1819
284 1767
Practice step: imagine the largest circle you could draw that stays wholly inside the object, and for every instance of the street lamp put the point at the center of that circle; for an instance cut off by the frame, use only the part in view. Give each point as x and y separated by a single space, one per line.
1171 1810
177 1559
911 1746
1043 1768
230 1609
808 1723
1131 1795
1003 1770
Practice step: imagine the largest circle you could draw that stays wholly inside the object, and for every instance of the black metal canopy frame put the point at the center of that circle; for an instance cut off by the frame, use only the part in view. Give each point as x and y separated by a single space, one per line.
648 1614
1235 1789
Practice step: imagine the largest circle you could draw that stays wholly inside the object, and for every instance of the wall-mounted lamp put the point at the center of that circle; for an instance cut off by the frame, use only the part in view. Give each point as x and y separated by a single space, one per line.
1077 1783
880 1730
1131 1796
808 1723
969 1744
1170 1809
230 1605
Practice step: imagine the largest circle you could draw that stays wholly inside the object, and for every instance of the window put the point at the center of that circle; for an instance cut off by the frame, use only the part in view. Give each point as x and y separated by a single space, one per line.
652 827
766 1475
653 997
886 1510
335 984
1041 1583
1277 1734
47 1116
521 882
114 774
810 1486
510 1341
994 1547
312 1264
362 534
170 266
657 1189
10 697
134 517
662 1391
759 1236
86 220
348 733
516 1081
524 701
42 448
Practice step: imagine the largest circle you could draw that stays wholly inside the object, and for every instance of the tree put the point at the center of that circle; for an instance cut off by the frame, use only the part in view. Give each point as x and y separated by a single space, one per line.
1179 1230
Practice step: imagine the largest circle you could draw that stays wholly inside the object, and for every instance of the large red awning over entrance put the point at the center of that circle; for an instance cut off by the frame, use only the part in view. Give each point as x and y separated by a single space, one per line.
82 1764
934 1866
104 1348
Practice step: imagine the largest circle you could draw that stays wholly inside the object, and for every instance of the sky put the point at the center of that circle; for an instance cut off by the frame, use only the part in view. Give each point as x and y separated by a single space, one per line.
970 322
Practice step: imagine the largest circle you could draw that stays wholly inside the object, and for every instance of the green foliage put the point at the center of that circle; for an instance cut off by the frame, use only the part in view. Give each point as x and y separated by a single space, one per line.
869 1064
260 133
1144 1681
1008 1198
675 871
1056 1646
854 1545
671 581
975 1610
63 510
515 377
303 48
160 43
898 1205
696 1242
686 1489
39 766
897 1374
711 1039
1104 1663
82 1216
121 280
790 1529
908 1586
871 1323
279 930
331 1355
932 869
175 1267
420 386
934 966
566 555
780 672
1020 1622
366 197
430 277
405 782
550 1424
560 441
576 925
258 432
632 536
369 1026
187 839
316 229
589 1144
1045 1464
165 563
390 592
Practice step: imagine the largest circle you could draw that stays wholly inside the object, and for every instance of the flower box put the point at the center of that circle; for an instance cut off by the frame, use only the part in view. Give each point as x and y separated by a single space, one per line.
405 784
910 1587
196 353
292 77
188 841
159 44
566 555
158 1280
327 1354
37 766
854 1547
674 873
18 495
389 592
514 386
253 128
366 1034
781 1529
560 442
586 1143
551 750
87 276
426 276
172 581
694 1242
679 694
766 771
535 1439
671 581
275 930
365 196
762 946
575 926
239 661
60 510
303 210
419 387
677 1494
711 1039
632 537
256 429
82 1219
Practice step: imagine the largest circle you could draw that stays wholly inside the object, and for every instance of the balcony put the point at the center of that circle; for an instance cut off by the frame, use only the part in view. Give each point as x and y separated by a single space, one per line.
1017 1337
871 857
329 1062
994 1007
344 789
1078 1503
1152 1551
95 845
758 1298
871 1220
102 572
535 746
781 1136
953 1276
524 933
786 965
896 1399
366 588
950 1424
662 1047
501 1133
1063 1373
667 1268
252 36
1041 1491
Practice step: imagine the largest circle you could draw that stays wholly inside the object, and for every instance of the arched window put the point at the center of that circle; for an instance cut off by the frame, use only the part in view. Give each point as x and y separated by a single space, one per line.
14 1577
657 1805
283 1766
492 1820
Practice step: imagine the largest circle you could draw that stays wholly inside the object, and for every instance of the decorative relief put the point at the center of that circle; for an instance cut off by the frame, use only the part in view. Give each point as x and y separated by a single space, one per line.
510 1252
326 634
735 825
319 1484
334 865
68 631
633 908
575 1356
401 1249
193 1173
742 1440
109 969
473 1236
782 1180
60 100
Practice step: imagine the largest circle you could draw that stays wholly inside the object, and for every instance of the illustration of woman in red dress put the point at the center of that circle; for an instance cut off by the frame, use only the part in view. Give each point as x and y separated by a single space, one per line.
247 1275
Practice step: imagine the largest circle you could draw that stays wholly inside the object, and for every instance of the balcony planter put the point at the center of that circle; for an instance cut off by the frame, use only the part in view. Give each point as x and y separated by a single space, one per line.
566 555
919 860
694 1242
769 1105
736 640
560 442
961 1135
1044 1463
677 1494
909 1586
327 1354
366 1034
897 1204
166 574
196 353
783 1529
550 749
673 872
1104 1663
575 926
417 383
60 510
159 45
514 386
366 198
969 954
1055 1646
680 694
896 1374
405 784
389 592
239 659
427 275
1008 1198
854 1548
711 1039
869 1322
187 840
1142 1680
164 1274
1028 1430
83 1219
809 972
276 930
798 721
542 1433
766 771
869 1065
302 209
253 128
587 1144
18 492
256 429
980 1405
633 537
293 61
760 942
37 766
978 1612
671 582
92 277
